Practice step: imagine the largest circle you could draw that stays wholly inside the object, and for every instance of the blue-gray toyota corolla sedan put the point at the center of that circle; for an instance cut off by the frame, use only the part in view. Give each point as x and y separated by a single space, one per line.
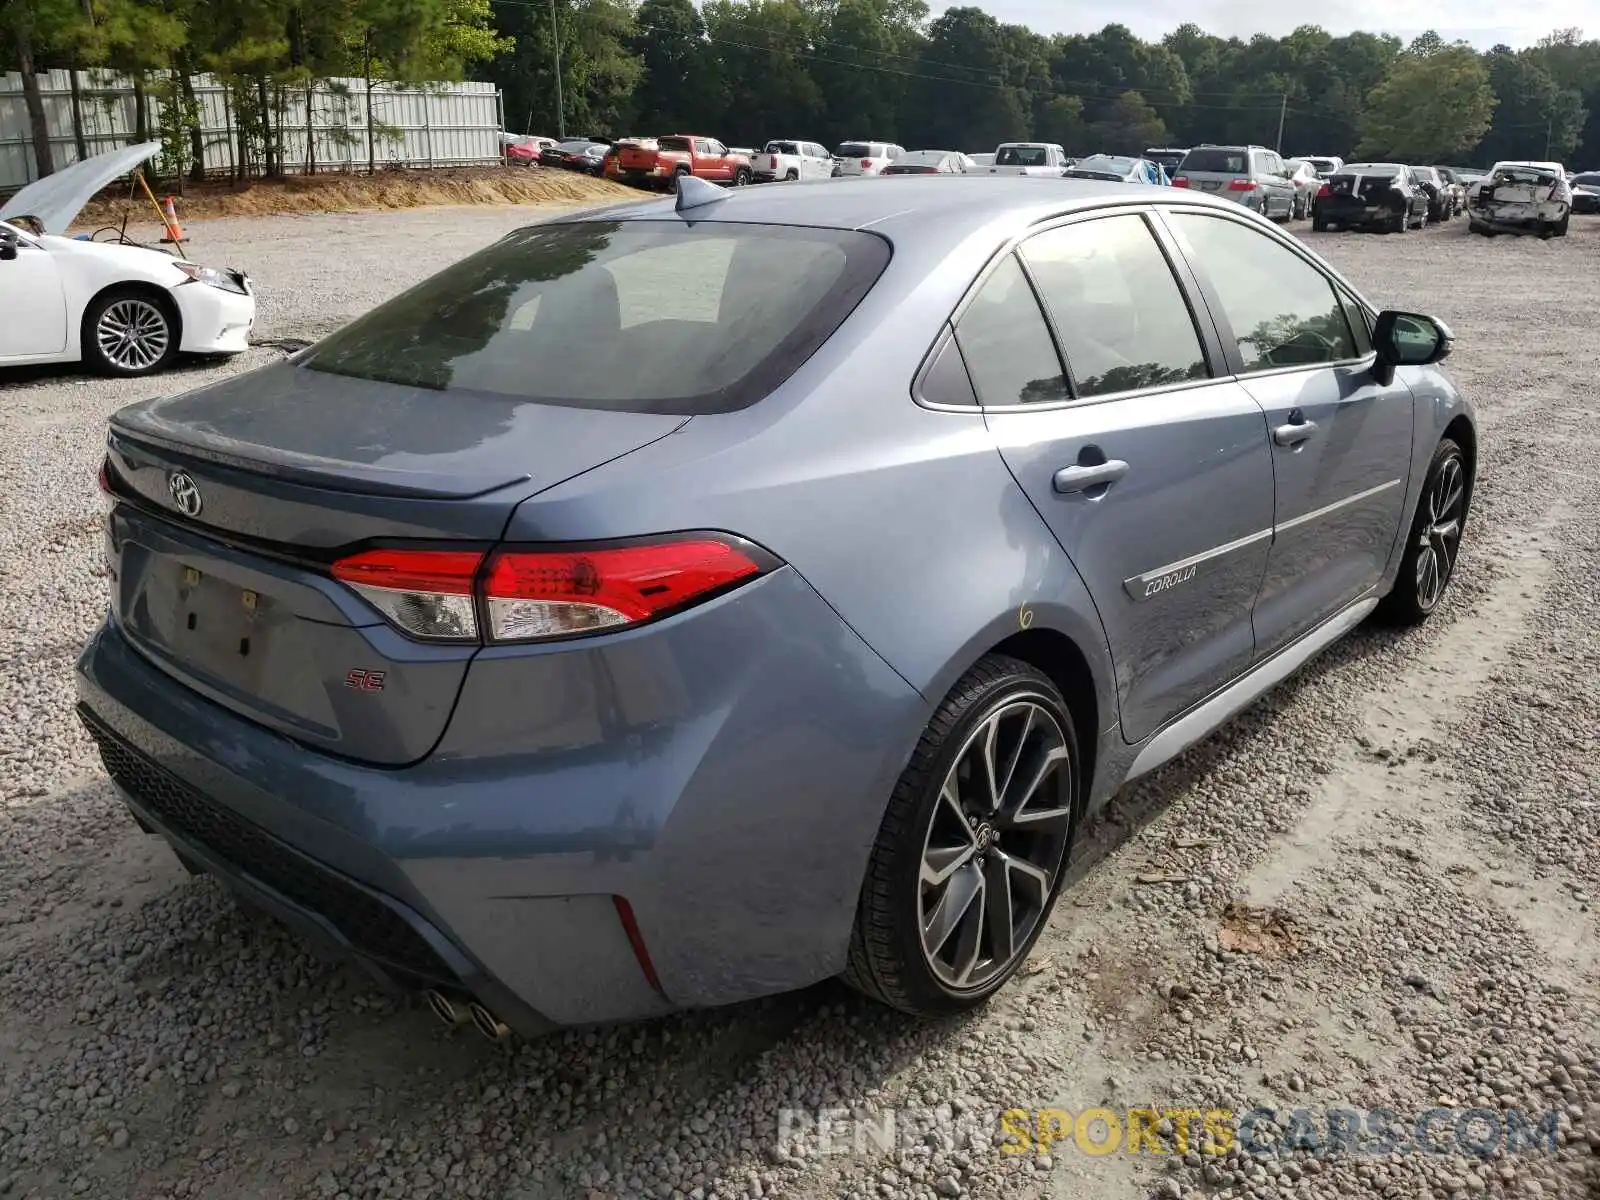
693 600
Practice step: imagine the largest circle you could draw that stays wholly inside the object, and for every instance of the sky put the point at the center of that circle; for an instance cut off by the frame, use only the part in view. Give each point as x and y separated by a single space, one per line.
1482 22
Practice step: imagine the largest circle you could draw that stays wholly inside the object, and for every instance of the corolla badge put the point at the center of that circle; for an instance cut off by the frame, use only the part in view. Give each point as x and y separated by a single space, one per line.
185 493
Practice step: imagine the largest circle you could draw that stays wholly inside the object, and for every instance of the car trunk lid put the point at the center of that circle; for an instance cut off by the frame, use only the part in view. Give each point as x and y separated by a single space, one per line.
240 496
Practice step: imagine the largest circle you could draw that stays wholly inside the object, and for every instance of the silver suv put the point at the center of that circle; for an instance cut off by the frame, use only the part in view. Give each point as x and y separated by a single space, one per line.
1253 176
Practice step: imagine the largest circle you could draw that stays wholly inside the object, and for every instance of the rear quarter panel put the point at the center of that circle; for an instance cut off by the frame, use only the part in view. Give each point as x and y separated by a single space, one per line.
904 519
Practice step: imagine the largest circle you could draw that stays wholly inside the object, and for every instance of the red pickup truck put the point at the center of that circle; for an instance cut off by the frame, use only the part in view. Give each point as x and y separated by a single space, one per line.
678 154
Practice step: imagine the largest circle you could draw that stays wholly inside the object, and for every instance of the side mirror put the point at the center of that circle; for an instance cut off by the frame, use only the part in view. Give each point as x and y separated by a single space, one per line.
1402 339
8 246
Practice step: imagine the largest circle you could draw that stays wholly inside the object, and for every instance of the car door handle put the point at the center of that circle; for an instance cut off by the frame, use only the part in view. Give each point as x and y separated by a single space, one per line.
1080 479
1293 433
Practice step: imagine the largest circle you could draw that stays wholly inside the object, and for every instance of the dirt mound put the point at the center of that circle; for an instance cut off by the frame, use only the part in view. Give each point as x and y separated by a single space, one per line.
361 193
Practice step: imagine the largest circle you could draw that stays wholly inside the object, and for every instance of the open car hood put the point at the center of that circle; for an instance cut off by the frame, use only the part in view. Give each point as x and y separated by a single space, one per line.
56 200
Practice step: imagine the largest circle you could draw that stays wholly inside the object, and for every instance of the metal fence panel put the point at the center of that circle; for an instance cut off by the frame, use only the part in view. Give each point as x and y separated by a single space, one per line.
441 125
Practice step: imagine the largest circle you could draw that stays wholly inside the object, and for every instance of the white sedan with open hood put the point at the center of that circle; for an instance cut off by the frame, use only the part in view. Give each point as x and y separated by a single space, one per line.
118 307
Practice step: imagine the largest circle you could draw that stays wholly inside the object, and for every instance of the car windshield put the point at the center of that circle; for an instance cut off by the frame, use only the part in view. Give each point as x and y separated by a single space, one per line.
1322 166
1588 179
673 143
1021 156
1370 169
859 150
574 146
1526 175
672 319
1219 162
781 148
1424 173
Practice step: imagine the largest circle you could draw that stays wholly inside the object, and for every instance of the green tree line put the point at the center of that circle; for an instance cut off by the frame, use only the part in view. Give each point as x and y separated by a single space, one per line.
834 70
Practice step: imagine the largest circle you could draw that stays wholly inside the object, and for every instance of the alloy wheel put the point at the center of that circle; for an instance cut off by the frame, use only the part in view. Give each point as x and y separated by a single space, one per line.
133 334
1440 536
995 844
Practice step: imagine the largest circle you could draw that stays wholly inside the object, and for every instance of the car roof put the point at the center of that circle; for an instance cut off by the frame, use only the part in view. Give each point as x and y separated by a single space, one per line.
911 210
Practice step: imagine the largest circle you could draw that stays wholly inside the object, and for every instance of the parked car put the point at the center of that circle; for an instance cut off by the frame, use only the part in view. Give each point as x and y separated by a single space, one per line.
485 700
525 149
931 162
1586 192
1323 164
1249 175
864 158
612 165
793 160
1307 183
118 308
1113 168
1441 200
677 155
1167 157
1458 190
577 154
1383 196
1521 197
1029 158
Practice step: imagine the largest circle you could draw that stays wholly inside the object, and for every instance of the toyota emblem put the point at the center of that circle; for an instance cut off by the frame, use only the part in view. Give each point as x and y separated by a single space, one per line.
185 493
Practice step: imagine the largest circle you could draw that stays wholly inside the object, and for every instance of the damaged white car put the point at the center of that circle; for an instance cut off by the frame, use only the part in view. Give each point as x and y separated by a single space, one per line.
117 306
1521 197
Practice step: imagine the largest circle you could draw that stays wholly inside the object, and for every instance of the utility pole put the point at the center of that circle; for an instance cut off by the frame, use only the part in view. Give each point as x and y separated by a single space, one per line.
1283 110
561 109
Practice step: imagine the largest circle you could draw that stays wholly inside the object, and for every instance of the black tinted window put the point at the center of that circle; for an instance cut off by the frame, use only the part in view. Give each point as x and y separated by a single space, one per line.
673 143
1225 162
1021 156
1006 343
855 150
1122 321
1283 310
638 316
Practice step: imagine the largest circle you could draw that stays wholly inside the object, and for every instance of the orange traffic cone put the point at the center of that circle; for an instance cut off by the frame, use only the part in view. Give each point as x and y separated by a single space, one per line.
174 235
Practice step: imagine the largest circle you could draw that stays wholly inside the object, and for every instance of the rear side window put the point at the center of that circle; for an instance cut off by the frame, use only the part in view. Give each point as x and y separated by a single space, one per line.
673 143
1021 156
1122 319
1007 345
633 316
781 148
1284 312
1222 162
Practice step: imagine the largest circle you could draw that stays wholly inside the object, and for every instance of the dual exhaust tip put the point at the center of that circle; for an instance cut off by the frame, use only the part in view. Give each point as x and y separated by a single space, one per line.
455 1012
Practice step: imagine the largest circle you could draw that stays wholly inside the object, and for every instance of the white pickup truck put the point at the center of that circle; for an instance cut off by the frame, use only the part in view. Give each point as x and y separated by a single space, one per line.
1029 158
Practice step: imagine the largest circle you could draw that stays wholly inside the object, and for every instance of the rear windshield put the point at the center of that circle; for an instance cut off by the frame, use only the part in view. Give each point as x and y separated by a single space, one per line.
1021 156
860 150
673 143
1383 170
636 316
1222 162
782 148
1586 180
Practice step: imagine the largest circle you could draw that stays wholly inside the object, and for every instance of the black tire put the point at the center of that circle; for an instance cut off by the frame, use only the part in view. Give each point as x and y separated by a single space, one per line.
741 177
1414 597
887 960
152 311
677 174
1318 225
1561 225
792 177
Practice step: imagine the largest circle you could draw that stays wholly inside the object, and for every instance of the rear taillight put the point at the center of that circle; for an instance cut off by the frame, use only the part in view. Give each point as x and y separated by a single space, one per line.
534 594
866 164
425 593
1324 192
1241 185
531 594
1181 181
108 498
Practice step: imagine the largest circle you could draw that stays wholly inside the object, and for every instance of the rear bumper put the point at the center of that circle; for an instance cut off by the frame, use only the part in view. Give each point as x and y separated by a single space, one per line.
1355 214
1511 217
723 772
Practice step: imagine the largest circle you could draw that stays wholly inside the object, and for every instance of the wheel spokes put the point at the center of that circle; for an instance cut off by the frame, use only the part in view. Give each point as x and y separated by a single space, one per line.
957 899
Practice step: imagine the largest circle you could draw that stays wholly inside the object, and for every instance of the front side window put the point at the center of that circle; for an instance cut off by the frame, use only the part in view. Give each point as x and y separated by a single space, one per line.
632 316
1007 345
1122 320
1284 311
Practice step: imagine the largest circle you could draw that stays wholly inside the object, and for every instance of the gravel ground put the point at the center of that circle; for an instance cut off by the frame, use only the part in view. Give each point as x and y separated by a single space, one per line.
1375 890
